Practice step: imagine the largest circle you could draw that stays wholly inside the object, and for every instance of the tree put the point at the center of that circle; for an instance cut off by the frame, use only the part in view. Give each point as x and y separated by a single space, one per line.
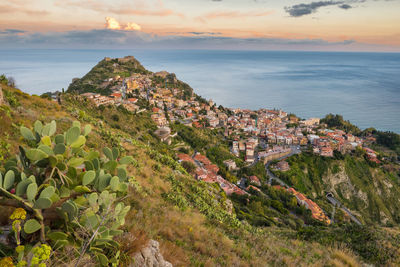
3 79
11 82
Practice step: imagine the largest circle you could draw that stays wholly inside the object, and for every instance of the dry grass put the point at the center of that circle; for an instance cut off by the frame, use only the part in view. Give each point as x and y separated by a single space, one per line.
343 257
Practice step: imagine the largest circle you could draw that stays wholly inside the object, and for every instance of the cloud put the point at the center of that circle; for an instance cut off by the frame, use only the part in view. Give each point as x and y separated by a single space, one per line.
124 39
300 10
133 26
205 33
345 6
113 24
12 31
306 9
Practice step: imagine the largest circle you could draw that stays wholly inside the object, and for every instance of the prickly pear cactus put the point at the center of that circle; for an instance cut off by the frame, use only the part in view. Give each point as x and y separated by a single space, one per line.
56 176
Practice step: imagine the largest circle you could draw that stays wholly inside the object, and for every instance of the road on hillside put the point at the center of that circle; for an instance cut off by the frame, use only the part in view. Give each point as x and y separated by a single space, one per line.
336 202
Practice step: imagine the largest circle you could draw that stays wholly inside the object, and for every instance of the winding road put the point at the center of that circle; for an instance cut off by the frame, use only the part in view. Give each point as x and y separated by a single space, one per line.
336 202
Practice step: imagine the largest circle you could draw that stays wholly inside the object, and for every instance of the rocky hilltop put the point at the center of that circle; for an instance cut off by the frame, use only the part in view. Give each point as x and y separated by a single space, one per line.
109 74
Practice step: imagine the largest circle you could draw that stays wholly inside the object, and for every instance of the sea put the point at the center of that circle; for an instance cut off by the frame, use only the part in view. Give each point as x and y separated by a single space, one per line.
363 87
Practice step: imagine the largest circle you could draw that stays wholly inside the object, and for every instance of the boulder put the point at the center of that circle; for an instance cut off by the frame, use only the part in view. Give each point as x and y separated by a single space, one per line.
150 256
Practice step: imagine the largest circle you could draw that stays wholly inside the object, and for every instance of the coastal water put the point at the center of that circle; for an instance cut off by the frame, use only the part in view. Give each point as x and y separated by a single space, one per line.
363 87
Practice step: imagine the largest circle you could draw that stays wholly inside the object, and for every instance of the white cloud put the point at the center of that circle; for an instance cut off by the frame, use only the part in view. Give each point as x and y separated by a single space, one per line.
132 26
113 24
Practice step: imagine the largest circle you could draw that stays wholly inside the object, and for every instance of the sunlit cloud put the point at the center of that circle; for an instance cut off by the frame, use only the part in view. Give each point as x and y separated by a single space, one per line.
113 24
132 26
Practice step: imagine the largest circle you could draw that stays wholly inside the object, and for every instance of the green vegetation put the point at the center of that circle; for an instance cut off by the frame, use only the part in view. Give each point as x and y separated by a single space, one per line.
389 139
68 194
337 122
372 244
271 207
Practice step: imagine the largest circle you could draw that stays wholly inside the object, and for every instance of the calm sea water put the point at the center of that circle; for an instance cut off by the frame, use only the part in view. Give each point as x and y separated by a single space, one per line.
363 87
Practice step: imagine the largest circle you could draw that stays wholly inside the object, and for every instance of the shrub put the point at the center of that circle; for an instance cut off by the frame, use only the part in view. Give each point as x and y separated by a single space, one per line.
115 117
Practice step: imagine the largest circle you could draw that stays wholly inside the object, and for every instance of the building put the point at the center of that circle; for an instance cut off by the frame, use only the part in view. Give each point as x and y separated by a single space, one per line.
254 180
230 164
311 122
326 151
283 166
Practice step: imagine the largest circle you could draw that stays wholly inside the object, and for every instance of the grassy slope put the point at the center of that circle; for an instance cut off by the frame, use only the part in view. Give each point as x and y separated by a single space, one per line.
192 227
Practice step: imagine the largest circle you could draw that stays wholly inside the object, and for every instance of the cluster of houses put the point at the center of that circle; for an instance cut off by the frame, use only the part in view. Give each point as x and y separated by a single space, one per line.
372 155
316 212
325 141
208 172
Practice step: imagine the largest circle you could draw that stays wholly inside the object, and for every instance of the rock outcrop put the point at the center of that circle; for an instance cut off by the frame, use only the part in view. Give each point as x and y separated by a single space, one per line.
150 256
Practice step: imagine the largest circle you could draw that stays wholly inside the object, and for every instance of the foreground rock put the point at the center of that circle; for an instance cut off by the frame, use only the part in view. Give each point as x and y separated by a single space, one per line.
150 256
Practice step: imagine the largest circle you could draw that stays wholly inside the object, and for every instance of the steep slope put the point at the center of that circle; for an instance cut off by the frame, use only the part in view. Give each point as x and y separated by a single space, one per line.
167 204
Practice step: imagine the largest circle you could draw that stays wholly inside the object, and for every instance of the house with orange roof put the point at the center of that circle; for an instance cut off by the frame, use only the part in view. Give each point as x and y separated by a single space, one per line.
254 180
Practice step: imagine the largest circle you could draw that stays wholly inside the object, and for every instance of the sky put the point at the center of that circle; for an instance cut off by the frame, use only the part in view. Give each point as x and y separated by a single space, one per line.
328 25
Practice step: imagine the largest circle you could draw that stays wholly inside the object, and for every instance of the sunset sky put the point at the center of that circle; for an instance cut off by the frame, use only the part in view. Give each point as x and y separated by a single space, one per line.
348 25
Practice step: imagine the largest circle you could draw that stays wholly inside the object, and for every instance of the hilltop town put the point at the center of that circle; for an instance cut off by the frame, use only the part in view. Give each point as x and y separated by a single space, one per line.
255 135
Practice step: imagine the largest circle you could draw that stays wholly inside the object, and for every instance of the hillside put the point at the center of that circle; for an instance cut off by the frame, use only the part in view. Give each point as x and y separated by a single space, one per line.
109 72
195 222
